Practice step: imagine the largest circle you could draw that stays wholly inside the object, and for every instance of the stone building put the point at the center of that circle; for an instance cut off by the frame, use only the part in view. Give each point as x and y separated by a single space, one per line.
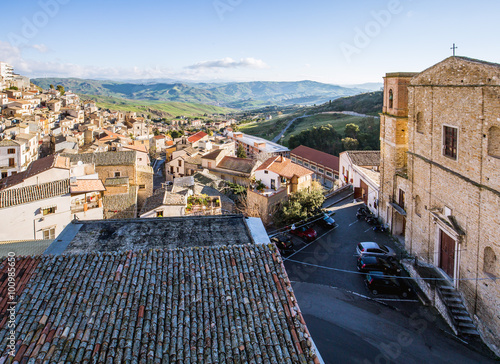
440 182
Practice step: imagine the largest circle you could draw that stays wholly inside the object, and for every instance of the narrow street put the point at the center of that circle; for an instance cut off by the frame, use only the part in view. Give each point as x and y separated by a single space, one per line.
347 322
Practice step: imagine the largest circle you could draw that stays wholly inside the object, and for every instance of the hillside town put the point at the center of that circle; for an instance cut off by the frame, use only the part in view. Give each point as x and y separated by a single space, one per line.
192 215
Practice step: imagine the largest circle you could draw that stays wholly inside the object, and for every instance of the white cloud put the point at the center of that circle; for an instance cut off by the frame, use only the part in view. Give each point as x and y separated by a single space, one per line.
42 48
230 63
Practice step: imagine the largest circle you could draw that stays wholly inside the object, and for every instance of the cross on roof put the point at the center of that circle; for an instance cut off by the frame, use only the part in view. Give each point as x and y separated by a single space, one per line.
454 47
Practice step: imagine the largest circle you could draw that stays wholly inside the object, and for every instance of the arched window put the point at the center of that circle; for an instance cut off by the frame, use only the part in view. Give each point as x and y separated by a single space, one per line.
490 261
494 141
391 99
420 122
418 206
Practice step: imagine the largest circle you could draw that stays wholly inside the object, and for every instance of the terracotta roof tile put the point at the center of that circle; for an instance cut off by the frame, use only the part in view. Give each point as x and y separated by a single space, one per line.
319 157
365 157
198 305
22 195
87 185
195 137
284 167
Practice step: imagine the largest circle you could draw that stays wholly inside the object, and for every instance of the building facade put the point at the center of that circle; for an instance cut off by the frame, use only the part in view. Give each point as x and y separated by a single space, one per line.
325 166
440 177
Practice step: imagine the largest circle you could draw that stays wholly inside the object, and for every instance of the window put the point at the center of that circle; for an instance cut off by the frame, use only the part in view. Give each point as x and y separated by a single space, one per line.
49 210
180 163
142 187
489 261
4 174
159 213
329 174
266 172
450 141
49 234
294 159
11 151
420 122
494 141
12 162
343 171
306 164
401 201
273 184
299 161
391 99
321 170
117 174
313 167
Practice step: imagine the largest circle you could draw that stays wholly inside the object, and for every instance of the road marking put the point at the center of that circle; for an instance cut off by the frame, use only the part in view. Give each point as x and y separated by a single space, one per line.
352 223
394 300
307 244
368 229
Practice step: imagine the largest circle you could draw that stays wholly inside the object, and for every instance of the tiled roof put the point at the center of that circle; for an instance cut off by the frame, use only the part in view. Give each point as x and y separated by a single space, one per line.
195 137
22 195
319 157
284 167
192 159
365 157
120 158
36 167
8 143
241 165
87 185
213 154
174 199
154 201
198 305
159 233
139 148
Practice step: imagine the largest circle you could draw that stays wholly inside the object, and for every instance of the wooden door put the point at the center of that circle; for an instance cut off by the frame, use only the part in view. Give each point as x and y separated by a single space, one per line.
364 192
447 254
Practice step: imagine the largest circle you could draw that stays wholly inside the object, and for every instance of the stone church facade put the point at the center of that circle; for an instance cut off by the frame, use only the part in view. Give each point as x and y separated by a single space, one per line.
440 177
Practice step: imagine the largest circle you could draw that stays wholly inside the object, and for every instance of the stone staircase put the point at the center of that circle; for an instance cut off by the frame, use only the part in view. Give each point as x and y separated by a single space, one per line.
457 310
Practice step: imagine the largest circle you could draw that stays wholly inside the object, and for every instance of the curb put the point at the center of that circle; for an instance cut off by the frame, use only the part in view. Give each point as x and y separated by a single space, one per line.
342 199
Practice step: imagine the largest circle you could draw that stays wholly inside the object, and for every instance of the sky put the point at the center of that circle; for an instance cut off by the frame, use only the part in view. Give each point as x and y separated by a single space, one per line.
330 41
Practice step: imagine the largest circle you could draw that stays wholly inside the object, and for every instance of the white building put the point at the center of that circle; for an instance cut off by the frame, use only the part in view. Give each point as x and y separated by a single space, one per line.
361 170
16 155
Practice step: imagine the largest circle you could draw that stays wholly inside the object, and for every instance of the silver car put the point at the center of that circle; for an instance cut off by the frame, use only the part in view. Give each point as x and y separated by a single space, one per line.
371 248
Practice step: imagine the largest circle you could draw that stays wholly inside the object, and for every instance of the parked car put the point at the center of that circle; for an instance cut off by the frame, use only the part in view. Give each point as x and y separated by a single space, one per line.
368 263
327 221
283 243
371 248
305 232
377 283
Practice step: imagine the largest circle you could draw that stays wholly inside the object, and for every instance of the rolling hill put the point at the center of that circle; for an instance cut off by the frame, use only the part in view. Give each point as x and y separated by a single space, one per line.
238 95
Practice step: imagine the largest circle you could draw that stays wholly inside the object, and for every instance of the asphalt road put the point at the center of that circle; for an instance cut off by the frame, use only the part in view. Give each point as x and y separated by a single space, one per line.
348 323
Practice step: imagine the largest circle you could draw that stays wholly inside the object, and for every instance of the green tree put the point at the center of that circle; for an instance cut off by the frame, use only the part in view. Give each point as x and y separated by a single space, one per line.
240 152
350 143
60 88
351 131
301 205
176 134
51 87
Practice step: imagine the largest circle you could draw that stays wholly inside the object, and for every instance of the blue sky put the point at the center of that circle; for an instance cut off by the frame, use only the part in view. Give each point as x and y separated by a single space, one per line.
341 42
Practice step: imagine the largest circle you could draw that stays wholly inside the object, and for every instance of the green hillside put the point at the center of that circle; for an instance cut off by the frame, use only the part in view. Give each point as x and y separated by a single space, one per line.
156 108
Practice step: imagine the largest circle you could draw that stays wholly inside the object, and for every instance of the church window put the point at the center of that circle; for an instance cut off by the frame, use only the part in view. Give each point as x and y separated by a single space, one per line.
391 99
450 141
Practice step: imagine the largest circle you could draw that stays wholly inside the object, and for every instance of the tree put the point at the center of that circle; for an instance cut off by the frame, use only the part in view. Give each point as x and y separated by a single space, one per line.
176 134
60 88
301 205
51 87
351 131
350 143
240 152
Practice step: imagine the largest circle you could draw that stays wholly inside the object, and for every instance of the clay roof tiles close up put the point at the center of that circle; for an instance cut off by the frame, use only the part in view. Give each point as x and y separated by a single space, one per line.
197 305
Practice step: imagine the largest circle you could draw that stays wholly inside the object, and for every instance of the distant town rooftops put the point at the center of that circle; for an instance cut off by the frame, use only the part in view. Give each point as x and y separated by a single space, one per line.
317 156
224 304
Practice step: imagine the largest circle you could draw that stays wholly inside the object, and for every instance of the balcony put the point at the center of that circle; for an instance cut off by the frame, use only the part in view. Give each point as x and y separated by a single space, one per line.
83 207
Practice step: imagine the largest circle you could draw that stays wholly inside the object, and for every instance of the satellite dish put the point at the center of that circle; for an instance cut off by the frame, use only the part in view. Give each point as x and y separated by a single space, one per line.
79 163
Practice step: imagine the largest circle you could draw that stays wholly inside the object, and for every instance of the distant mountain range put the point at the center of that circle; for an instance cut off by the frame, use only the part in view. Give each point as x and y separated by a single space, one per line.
237 95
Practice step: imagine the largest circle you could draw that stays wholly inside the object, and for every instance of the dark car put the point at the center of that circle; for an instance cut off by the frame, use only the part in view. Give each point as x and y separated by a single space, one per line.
368 263
378 282
283 243
305 232
371 248
327 221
